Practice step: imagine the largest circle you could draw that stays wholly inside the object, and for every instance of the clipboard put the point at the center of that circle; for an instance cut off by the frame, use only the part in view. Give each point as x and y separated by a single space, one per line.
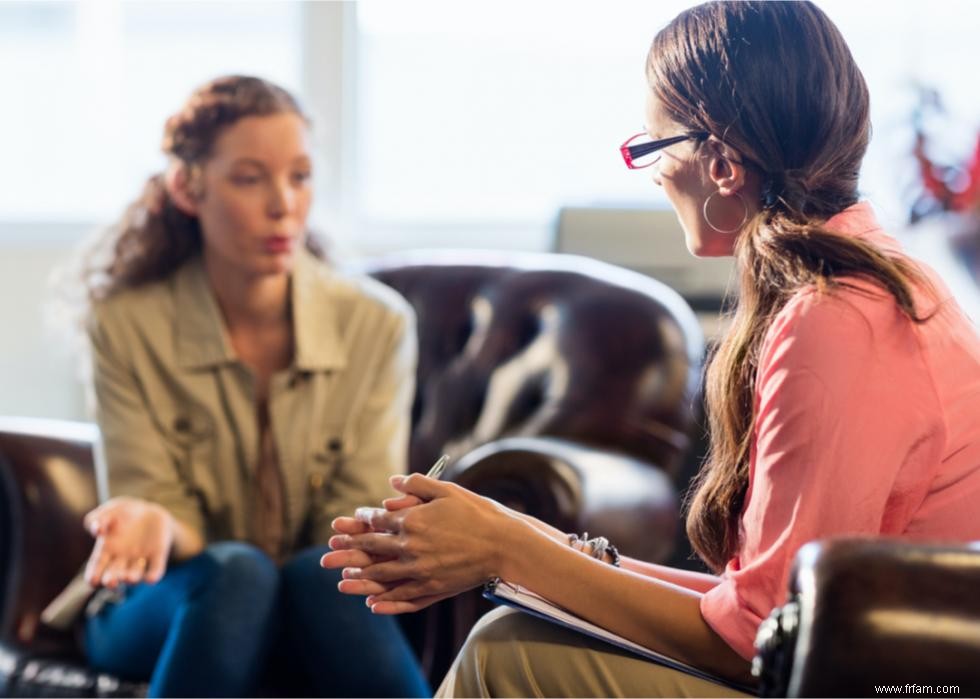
503 592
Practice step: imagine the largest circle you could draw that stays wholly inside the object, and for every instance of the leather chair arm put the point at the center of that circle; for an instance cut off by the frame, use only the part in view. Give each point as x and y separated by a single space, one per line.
578 488
878 613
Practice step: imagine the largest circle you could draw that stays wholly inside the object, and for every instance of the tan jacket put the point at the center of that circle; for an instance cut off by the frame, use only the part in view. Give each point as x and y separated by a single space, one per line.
177 409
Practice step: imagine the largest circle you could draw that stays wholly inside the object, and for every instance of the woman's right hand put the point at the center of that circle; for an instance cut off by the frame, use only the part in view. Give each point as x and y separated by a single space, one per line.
133 539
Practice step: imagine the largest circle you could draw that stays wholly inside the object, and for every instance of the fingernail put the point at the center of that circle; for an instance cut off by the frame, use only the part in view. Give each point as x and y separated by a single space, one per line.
396 480
351 573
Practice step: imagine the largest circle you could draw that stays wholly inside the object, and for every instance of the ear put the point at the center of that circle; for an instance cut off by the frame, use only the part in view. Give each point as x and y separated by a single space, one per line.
182 188
726 168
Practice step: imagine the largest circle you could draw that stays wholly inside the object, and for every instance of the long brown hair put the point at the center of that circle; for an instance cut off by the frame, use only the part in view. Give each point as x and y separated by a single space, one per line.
777 82
154 237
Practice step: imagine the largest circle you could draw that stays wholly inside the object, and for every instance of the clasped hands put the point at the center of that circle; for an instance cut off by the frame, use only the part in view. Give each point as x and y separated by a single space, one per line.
434 541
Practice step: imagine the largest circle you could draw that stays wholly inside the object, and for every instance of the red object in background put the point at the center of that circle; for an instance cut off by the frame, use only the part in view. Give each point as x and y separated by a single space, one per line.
938 187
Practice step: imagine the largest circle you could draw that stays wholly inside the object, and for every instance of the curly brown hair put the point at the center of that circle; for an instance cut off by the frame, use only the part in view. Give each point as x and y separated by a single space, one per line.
154 237
777 82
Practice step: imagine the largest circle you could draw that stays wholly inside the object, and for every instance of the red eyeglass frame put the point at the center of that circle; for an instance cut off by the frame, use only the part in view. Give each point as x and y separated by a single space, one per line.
638 151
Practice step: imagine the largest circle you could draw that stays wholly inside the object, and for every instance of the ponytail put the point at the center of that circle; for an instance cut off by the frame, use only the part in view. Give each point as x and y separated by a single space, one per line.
777 255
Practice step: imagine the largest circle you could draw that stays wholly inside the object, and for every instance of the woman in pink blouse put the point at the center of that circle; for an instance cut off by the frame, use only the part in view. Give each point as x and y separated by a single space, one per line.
842 401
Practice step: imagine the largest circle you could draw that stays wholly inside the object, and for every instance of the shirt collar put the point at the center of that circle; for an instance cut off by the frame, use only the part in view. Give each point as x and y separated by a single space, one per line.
202 338
859 221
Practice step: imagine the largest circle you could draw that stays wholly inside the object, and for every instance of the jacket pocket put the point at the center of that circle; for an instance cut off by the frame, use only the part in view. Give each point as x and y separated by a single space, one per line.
190 434
331 449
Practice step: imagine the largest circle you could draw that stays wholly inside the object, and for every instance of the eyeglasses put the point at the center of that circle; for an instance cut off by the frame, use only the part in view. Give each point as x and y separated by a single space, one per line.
639 151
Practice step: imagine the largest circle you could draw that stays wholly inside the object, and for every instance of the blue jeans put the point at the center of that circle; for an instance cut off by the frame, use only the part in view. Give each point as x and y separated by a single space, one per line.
228 622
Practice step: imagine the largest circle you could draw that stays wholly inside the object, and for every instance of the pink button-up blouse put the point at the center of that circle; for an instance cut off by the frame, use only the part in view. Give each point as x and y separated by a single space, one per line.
868 424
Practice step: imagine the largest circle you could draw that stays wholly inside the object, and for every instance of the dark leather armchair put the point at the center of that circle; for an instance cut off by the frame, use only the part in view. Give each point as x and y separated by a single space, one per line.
561 386
871 617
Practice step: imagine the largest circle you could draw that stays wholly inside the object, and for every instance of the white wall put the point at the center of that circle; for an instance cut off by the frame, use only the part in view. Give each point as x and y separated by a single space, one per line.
38 366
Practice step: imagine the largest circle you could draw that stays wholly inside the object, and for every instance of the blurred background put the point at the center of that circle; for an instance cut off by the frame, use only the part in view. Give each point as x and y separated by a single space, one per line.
438 123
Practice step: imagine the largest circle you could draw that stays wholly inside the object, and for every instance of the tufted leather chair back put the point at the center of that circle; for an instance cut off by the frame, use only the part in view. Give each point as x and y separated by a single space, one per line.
546 344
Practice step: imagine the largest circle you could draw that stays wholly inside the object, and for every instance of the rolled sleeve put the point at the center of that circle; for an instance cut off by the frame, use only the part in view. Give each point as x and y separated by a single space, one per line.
731 618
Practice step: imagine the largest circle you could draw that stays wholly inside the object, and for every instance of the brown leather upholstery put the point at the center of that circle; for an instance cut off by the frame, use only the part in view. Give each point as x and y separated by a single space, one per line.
546 344
867 613
562 386
47 484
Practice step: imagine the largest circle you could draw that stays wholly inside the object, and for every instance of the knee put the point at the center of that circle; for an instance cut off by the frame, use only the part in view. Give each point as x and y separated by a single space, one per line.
235 567
498 628
303 570
309 590
491 660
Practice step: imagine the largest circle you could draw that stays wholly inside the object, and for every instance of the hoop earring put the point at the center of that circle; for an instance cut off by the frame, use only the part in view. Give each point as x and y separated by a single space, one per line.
736 229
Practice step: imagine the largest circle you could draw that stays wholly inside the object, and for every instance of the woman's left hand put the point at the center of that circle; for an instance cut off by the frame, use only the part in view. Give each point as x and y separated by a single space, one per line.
453 541
359 524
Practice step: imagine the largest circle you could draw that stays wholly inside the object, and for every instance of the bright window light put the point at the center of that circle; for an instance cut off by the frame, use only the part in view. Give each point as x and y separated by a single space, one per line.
88 85
504 111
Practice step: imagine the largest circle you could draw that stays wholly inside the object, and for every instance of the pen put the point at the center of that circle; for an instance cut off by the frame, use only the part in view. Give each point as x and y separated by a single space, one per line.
438 467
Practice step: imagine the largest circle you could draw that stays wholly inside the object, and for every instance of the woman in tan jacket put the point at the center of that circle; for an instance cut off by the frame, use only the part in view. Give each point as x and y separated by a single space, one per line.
247 395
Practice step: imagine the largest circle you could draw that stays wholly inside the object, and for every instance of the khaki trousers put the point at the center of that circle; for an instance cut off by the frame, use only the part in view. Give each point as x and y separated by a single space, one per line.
513 654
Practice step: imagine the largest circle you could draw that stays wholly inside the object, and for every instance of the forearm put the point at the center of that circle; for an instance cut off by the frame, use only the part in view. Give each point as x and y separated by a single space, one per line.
698 582
543 527
658 614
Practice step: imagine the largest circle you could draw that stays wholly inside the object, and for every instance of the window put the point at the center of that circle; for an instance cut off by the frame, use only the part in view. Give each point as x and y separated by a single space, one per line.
497 113
453 119
898 48
88 85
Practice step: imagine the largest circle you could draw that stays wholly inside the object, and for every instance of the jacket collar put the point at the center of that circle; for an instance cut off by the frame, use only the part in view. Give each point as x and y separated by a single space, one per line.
202 339
319 344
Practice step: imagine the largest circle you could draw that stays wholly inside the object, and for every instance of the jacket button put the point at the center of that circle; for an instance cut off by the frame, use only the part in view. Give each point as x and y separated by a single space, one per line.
316 481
